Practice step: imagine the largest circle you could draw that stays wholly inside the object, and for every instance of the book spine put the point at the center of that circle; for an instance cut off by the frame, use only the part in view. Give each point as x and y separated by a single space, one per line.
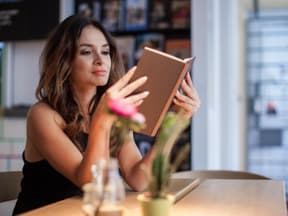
180 13
125 45
112 11
159 15
152 40
136 14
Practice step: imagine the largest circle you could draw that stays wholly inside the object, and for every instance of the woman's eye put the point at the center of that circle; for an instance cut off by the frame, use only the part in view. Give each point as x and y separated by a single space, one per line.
86 52
106 52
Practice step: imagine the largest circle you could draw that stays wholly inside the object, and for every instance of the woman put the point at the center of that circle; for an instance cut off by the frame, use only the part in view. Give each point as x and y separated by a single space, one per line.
68 129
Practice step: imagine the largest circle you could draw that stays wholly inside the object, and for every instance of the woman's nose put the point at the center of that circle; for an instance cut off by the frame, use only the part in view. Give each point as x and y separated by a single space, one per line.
97 58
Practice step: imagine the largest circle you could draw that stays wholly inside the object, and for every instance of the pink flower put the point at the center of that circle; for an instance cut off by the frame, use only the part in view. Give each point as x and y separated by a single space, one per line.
138 118
127 119
122 107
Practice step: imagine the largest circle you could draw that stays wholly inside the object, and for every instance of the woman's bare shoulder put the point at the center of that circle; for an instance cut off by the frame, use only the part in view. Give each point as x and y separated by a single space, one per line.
42 112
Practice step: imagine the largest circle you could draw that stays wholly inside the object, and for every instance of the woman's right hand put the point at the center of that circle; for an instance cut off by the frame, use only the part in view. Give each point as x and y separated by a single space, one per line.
122 89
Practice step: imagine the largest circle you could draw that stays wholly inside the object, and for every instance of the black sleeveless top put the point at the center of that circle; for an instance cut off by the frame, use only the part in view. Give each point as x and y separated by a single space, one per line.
42 185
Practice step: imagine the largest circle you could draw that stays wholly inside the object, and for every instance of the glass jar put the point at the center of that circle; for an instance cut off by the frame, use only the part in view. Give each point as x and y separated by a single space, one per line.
114 191
93 191
104 194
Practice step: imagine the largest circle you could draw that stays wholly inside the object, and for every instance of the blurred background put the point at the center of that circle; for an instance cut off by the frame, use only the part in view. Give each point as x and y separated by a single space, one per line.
241 71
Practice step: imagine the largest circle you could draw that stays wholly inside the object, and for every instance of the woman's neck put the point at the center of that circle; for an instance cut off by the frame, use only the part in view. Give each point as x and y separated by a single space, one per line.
83 99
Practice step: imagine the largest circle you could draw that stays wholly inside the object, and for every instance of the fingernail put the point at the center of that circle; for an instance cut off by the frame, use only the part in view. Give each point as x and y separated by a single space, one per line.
146 92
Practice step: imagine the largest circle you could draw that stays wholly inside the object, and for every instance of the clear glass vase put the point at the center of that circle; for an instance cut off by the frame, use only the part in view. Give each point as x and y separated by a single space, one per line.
104 194
93 191
114 191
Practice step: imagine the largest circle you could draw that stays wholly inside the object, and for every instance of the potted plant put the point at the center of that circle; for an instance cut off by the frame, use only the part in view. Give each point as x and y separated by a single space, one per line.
157 200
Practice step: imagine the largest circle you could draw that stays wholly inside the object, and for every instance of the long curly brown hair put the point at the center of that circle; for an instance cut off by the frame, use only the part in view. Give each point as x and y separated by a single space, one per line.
56 65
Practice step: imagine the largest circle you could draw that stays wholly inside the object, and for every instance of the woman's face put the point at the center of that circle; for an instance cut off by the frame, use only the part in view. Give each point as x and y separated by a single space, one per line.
92 63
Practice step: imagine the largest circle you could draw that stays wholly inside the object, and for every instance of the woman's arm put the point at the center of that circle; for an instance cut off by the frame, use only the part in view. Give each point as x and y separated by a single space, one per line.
47 140
132 163
45 134
134 167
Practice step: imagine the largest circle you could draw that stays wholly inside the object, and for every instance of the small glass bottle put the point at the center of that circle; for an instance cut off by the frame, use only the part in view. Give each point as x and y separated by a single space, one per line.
93 191
114 191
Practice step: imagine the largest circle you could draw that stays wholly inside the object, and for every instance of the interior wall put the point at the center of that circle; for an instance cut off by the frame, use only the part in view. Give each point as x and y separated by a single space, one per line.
21 66
23 72
216 125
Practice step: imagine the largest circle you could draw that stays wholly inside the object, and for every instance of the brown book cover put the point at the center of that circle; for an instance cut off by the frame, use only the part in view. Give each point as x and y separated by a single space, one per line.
165 73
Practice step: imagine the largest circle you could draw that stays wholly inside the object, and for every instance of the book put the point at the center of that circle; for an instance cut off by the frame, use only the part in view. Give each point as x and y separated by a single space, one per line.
84 7
165 74
178 47
180 187
97 10
125 45
180 13
112 14
159 14
89 8
153 40
136 14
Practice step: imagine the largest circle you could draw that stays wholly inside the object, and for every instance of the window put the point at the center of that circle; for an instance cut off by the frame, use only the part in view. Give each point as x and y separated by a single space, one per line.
267 83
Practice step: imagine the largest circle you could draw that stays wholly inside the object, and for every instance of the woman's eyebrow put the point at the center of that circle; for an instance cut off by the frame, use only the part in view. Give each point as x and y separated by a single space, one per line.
91 45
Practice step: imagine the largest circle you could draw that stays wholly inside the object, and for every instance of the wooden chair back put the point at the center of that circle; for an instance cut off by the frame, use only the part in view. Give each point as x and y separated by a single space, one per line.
10 185
217 174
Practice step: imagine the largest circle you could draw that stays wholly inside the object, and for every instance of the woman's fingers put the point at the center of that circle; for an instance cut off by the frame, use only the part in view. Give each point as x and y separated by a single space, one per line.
137 99
188 87
189 108
188 98
123 88
132 87
189 79
124 80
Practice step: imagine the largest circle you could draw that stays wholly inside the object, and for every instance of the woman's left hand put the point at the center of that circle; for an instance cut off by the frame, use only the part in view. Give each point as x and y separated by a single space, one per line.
188 99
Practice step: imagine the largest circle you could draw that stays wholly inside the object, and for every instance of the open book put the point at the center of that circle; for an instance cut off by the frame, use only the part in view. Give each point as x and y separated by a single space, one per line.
165 73
180 187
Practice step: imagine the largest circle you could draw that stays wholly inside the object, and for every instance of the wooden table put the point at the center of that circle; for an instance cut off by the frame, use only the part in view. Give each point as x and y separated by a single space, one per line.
212 197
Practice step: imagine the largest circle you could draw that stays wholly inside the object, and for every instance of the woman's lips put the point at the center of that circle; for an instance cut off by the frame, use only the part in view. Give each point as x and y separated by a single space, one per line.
100 72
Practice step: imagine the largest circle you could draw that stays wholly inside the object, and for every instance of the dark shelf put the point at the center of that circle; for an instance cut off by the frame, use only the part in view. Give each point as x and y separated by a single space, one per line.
18 111
169 32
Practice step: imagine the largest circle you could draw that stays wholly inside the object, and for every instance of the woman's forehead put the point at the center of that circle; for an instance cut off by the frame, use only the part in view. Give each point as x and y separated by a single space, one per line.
92 35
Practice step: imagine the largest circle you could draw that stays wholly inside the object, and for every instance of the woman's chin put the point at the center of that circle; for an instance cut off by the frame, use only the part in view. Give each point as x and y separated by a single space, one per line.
101 82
